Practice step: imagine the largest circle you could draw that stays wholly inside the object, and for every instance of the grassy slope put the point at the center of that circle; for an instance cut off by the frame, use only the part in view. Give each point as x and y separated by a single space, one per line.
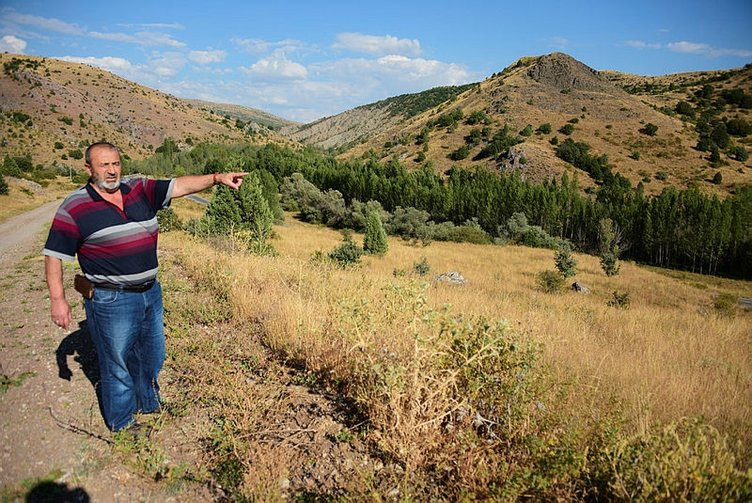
669 356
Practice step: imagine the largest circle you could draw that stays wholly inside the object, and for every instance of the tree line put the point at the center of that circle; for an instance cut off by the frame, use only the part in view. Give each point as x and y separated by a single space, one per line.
677 229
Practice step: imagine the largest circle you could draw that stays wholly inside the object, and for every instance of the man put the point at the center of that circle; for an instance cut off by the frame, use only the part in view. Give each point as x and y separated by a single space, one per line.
111 225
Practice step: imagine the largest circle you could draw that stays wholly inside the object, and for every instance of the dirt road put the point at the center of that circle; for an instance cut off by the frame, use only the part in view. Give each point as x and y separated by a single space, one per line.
52 437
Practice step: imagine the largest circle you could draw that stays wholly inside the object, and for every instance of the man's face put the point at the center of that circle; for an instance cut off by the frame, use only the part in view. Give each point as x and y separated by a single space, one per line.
105 168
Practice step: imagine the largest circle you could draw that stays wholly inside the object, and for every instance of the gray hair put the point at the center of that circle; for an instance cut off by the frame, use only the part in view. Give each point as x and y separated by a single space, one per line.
99 144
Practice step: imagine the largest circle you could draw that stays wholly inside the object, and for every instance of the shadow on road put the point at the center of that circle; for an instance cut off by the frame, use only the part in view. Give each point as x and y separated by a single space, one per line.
79 343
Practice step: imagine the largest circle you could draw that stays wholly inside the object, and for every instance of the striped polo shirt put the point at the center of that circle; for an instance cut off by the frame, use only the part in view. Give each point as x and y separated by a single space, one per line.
113 246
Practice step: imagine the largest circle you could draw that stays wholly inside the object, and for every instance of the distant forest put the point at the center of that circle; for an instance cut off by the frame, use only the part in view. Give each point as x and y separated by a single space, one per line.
683 229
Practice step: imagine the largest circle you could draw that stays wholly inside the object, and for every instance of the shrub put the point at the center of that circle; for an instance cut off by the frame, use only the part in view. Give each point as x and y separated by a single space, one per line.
3 185
348 253
75 154
460 153
554 140
565 263
725 304
662 175
59 145
740 153
375 241
544 128
718 178
683 461
551 281
635 155
649 129
684 108
620 300
168 220
421 268
411 224
566 129
527 130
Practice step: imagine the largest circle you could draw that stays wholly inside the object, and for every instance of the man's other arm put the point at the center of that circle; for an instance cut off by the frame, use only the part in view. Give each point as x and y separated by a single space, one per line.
59 308
189 184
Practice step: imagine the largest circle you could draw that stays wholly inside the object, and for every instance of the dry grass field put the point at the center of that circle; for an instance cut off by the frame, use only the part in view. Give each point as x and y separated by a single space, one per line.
385 337
24 195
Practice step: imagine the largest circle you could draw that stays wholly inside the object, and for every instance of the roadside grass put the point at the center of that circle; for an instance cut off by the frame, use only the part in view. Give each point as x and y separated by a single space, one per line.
559 401
20 199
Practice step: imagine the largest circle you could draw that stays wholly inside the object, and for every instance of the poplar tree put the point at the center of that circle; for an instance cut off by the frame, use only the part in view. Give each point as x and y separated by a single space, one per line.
375 241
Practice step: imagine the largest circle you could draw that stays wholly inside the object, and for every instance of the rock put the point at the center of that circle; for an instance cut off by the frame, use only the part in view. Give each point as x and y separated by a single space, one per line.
580 288
452 277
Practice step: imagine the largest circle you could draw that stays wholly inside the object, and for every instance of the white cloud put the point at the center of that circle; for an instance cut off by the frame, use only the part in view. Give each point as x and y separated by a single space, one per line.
11 43
46 23
167 64
109 63
146 38
706 50
206 57
152 26
277 66
689 47
152 73
375 44
254 45
259 46
640 44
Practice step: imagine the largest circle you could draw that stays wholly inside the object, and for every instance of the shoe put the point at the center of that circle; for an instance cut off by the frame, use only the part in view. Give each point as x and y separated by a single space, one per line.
139 430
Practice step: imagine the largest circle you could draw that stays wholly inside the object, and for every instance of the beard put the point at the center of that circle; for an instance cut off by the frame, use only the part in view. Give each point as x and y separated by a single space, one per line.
103 184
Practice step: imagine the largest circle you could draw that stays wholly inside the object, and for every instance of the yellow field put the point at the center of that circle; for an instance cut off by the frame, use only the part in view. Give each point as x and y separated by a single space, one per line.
669 356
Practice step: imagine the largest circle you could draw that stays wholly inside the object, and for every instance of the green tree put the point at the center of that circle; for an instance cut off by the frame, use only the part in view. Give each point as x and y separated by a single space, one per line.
10 167
3 185
565 263
375 241
717 178
609 238
242 212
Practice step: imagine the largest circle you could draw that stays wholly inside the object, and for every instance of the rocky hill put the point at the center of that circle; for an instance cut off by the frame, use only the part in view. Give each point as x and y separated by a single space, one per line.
545 100
245 114
51 109
355 126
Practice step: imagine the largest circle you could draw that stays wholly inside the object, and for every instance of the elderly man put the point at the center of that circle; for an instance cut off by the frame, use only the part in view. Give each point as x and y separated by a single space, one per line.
111 225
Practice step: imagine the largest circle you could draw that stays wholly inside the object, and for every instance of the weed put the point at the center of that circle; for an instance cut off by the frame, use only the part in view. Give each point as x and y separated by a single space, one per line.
551 281
725 304
6 381
619 299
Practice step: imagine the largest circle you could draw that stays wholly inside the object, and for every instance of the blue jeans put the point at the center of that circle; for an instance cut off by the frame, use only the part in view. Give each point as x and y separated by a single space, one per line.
128 334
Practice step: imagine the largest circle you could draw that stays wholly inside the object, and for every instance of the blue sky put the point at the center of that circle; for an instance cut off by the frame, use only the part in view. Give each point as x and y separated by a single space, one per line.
303 60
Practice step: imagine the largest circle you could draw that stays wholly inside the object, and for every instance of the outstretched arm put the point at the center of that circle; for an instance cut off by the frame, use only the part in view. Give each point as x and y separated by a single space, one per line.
189 184
59 308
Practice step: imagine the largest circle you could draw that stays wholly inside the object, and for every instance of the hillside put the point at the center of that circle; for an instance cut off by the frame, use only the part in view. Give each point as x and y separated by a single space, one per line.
245 114
562 92
51 109
355 126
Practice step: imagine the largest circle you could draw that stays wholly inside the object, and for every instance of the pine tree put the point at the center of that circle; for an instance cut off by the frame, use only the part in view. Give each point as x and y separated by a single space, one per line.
375 241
